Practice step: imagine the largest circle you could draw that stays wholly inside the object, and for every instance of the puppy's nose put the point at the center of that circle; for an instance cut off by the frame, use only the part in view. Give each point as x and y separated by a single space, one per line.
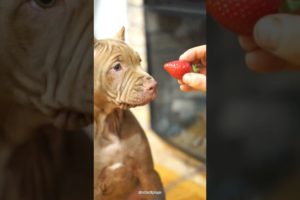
151 85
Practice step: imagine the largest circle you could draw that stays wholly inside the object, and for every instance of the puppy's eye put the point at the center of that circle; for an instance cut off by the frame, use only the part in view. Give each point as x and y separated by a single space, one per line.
117 67
45 3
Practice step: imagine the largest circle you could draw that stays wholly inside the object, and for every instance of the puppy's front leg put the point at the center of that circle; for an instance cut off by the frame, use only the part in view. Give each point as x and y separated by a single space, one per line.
151 187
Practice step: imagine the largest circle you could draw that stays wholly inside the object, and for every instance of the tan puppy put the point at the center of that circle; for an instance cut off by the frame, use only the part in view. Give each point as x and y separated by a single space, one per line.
123 166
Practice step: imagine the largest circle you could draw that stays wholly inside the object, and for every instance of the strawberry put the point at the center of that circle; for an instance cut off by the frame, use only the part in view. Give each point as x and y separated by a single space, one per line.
240 16
178 68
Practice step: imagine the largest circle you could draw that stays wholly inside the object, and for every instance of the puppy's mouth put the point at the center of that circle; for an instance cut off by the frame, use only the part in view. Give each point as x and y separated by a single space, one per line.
145 97
133 105
124 105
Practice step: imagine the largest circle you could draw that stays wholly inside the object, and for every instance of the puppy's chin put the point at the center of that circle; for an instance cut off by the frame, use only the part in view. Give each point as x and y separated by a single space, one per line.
147 98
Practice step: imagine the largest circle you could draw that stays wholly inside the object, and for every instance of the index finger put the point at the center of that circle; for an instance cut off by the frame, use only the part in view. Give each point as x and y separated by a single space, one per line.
196 54
248 43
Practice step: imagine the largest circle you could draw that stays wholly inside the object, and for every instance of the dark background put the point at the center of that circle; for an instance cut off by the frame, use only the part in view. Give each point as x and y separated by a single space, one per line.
252 125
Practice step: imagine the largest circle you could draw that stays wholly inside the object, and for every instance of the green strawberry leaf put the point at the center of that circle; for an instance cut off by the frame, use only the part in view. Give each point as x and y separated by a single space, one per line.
290 6
196 68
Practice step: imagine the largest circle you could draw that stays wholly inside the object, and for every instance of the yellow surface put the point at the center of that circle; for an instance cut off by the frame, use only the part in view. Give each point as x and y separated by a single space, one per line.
178 188
183 177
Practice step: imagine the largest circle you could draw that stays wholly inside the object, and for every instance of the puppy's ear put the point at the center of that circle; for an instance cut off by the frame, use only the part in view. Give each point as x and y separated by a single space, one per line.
121 34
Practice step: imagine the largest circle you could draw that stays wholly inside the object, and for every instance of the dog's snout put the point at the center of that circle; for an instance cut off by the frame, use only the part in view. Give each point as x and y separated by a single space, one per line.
151 85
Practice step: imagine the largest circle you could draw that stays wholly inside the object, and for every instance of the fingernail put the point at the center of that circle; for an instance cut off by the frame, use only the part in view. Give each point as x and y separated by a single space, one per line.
186 78
267 32
191 80
182 56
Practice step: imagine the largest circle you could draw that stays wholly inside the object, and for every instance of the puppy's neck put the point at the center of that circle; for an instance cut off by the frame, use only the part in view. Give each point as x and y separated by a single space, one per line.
102 106
103 110
107 123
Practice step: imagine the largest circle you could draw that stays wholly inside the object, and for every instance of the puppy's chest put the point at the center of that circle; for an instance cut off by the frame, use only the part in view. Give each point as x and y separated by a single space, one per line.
114 152
114 167
117 145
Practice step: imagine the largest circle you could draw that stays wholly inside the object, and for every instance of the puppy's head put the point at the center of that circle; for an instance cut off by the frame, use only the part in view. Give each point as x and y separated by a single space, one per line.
118 77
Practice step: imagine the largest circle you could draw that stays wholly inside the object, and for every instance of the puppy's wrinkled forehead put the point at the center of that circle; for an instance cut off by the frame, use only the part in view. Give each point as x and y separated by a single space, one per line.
112 50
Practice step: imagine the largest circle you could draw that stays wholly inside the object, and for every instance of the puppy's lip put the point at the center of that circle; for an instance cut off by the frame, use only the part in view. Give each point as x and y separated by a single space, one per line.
145 102
154 94
150 96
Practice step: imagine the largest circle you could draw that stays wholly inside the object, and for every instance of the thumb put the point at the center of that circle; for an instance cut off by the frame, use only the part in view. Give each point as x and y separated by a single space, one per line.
279 34
195 81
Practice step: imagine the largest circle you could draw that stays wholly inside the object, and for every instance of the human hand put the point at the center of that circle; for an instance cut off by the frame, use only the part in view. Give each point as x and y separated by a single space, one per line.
275 45
194 81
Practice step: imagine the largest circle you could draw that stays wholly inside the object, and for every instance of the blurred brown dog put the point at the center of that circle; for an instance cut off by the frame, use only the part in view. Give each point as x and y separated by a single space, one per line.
46 97
123 166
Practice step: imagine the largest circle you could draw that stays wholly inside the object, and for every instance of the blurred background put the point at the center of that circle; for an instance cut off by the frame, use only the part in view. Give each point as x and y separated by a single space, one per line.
253 139
175 123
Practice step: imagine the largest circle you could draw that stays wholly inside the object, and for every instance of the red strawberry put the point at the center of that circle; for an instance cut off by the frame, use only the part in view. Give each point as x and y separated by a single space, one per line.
178 68
240 16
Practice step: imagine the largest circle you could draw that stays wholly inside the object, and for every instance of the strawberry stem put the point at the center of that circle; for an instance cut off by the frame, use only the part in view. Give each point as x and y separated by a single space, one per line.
290 6
196 68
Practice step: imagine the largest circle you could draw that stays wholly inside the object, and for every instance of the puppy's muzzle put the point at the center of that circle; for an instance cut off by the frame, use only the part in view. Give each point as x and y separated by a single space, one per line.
150 88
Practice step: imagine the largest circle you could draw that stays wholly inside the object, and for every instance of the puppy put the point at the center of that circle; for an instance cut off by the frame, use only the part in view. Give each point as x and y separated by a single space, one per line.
123 166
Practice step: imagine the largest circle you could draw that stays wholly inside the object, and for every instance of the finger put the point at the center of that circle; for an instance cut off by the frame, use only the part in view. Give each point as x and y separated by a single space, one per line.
247 43
186 88
180 82
196 54
263 61
279 34
195 81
